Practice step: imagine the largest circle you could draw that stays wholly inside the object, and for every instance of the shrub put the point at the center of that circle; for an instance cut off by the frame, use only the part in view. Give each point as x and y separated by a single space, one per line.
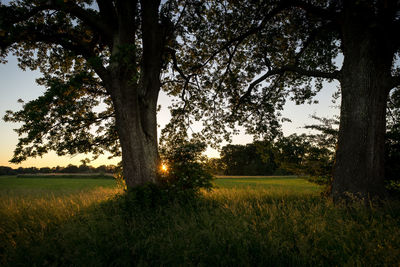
185 174
186 168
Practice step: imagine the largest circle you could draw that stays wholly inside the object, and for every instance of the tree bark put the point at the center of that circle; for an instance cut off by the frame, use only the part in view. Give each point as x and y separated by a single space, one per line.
137 129
365 76
135 97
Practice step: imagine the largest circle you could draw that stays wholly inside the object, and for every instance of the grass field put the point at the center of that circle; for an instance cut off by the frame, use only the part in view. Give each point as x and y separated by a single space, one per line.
46 185
291 184
270 221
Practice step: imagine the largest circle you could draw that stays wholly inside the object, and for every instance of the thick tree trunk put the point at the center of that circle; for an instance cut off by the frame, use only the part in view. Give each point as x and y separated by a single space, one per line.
137 129
359 167
134 95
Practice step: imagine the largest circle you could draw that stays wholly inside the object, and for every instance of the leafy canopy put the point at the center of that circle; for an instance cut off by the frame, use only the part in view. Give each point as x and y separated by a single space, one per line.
238 62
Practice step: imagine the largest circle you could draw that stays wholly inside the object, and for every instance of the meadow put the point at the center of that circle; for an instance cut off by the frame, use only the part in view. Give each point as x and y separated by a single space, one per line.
244 221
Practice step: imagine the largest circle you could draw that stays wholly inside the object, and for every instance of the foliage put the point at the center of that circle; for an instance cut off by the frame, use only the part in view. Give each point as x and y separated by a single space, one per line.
215 166
306 155
251 159
240 60
237 226
322 155
4 170
184 174
186 167
119 178
66 118
301 155
290 152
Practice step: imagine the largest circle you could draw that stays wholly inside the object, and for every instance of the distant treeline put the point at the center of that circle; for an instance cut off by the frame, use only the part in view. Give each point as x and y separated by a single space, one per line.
294 154
310 155
103 169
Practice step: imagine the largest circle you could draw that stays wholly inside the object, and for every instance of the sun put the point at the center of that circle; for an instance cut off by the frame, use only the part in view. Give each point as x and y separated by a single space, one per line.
164 167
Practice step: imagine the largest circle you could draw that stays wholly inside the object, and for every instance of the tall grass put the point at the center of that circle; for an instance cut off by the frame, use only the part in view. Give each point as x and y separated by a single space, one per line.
249 226
27 217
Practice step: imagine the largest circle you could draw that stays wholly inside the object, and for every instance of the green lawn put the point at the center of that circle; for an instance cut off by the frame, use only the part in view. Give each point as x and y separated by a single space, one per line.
40 186
29 187
281 183
52 184
271 221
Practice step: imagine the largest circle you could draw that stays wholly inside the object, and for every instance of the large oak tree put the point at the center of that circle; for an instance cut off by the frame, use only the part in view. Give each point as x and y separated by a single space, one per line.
256 54
102 62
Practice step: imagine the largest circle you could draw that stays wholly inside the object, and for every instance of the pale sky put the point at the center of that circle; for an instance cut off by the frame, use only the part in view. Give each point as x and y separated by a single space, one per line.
16 84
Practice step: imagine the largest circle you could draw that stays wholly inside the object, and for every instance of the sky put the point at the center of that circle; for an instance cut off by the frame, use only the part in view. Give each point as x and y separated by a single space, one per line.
18 84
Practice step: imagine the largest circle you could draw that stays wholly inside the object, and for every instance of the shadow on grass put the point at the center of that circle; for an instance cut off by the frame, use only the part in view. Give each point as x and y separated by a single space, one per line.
221 228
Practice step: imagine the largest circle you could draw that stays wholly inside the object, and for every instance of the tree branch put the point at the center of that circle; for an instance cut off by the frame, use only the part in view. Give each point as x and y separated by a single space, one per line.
181 14
238 39
228 66
70 41
282 71
89 17
292 67
325 13
328 26
177 68
19 14
172 52
310 73
314 10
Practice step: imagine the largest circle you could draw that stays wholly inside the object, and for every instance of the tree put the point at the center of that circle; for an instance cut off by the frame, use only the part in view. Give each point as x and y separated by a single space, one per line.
251 159
45 170
269 50
91 53
215 166
4 170
324 143
290 152
306 155
71 169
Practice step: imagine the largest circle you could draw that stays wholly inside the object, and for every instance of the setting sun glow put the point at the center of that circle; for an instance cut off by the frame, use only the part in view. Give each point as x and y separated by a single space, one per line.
164 167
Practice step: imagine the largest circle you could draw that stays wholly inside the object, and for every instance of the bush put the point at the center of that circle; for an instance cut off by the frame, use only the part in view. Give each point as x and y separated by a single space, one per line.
186 170
186 173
